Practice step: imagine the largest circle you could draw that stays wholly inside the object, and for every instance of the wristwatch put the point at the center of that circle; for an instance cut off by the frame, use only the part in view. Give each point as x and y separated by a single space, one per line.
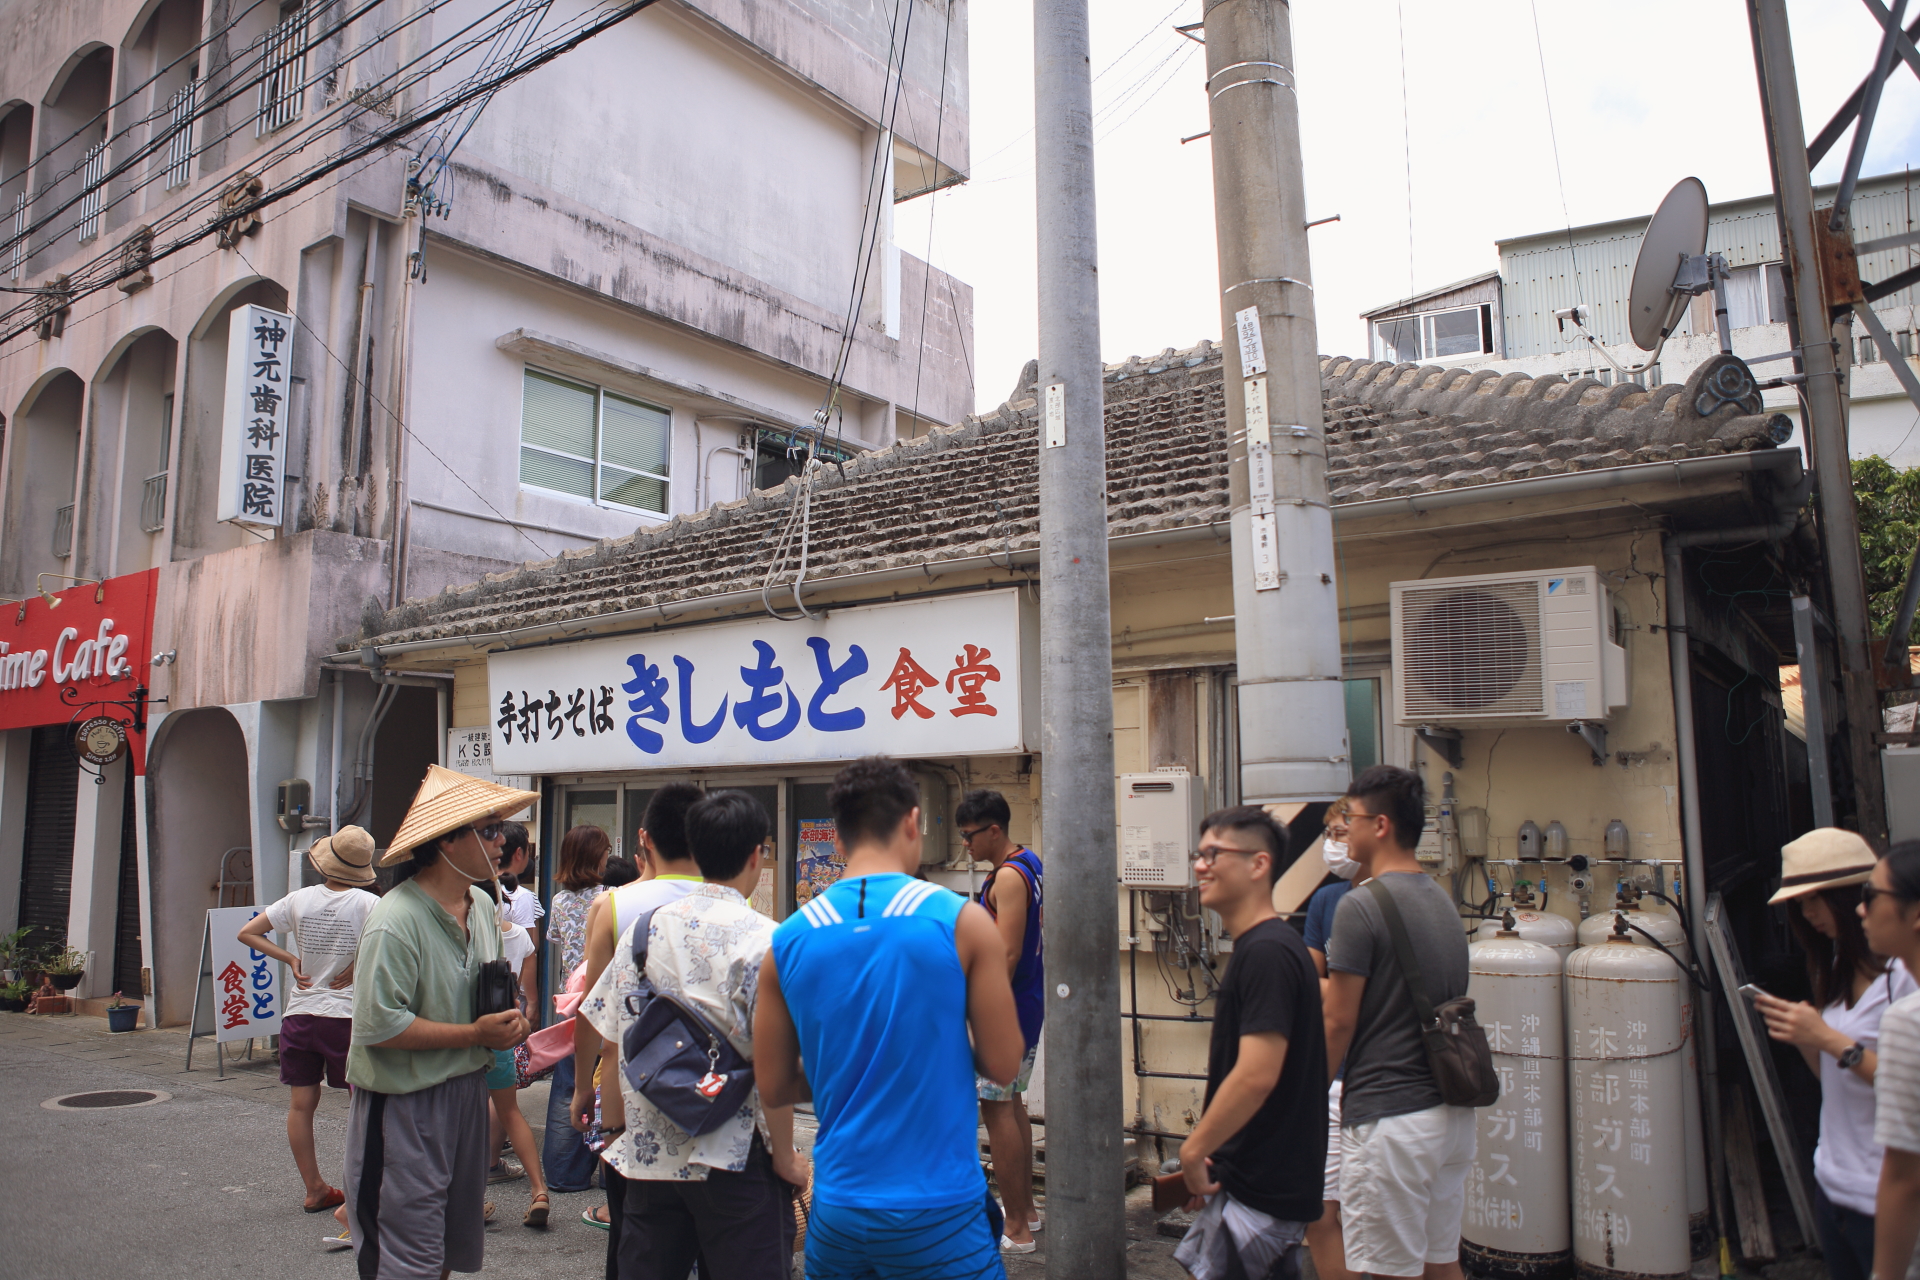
1850 1058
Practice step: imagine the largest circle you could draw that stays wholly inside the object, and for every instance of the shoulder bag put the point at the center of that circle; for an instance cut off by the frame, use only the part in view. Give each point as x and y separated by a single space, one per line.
1457 1049
676 1059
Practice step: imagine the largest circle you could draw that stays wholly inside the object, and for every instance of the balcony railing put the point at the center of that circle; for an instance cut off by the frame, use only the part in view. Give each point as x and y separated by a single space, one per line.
153 504
180 135
63 532
284 55
93 179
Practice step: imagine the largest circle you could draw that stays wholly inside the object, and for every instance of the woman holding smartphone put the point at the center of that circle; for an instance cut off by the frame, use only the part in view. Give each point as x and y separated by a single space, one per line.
1821 875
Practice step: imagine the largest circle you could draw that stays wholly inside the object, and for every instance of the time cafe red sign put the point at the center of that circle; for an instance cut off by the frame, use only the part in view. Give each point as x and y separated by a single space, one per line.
54 659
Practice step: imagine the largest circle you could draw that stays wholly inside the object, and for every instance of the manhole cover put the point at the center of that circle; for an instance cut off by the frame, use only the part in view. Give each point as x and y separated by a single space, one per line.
106 1098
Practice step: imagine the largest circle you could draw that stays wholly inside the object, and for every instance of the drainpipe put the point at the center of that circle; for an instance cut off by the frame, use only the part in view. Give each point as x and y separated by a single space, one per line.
1293 734
1787 517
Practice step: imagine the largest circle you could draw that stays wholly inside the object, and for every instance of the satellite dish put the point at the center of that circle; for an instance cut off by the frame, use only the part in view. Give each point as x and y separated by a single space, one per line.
1677 232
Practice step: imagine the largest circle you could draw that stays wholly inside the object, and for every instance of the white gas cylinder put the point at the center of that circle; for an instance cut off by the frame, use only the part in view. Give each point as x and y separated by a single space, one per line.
1626 1044
1516 1224
1667 928
1543 927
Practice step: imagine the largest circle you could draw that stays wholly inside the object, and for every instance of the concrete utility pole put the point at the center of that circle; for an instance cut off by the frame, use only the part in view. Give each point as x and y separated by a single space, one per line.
1286 604
1825 427
1086 1181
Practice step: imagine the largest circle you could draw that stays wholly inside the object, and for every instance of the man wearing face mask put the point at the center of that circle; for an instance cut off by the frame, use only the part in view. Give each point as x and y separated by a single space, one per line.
1324 1239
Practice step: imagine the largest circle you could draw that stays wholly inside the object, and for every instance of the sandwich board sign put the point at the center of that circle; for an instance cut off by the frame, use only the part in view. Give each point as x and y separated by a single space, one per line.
241 991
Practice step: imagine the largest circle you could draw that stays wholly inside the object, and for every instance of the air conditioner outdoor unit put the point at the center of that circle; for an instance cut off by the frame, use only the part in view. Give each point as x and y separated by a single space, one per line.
1506 649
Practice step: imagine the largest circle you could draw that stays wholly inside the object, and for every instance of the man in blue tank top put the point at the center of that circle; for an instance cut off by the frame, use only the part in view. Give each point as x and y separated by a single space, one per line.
875 985
1012 898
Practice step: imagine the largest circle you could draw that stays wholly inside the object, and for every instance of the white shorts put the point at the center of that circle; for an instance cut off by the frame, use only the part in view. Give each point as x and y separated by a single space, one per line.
1403 1189
1333 1143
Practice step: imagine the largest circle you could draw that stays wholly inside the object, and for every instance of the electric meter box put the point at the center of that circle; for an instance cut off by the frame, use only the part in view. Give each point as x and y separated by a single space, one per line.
1159 819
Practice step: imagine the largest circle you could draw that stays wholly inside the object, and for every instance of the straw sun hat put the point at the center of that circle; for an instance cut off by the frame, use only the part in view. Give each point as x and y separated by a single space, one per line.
346 856
448 801
1827 858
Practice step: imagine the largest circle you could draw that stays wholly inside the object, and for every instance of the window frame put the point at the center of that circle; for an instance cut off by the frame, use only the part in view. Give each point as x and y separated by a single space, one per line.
1424 319
598 462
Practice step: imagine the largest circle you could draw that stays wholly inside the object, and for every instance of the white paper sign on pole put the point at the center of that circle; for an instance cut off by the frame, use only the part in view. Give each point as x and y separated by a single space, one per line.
253 432
247 996
957 675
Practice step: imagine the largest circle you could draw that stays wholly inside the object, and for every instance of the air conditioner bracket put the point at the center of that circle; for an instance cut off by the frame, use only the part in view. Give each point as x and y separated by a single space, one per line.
1444 741
1596 738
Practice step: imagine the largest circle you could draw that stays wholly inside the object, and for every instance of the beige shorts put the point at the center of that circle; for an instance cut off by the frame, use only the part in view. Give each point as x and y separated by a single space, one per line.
1403 1189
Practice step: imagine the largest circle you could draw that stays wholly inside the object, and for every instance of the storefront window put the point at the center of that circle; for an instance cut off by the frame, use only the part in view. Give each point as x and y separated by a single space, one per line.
593 809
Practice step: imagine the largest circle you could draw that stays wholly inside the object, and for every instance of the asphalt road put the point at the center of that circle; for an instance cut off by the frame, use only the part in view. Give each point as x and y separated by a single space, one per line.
202 1184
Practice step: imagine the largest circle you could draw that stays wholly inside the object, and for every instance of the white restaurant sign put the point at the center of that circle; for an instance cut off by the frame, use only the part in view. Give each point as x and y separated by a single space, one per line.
253 436
958 675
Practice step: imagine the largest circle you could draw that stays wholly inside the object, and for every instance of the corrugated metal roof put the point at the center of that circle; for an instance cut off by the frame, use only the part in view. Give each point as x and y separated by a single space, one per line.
1592 266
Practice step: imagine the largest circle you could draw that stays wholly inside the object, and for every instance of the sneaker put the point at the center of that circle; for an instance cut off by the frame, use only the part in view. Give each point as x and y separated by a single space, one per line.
506 1171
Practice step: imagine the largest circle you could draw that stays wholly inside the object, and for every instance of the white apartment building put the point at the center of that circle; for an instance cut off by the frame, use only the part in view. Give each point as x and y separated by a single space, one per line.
1505 319
616 295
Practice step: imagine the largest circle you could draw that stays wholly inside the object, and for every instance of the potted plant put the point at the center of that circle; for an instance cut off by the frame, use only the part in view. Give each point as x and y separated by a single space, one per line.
13 954
13 997
120 1015
66 967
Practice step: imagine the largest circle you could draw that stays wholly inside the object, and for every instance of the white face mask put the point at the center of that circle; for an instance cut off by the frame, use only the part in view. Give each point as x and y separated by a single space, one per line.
1335 852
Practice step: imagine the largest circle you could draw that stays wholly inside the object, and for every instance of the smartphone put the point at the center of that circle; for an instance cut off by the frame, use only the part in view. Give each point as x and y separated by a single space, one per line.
1750 991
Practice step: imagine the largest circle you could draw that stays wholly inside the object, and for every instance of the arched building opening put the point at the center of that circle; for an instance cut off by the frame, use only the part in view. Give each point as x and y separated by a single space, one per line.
160 83
69 182
124 514
37 536
197 780
16 153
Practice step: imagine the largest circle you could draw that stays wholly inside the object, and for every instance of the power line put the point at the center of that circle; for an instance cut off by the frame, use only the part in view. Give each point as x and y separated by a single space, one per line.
1553 136
375 142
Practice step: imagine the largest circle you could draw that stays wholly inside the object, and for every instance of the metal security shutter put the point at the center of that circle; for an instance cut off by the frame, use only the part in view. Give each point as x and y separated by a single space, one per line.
126 922
46 870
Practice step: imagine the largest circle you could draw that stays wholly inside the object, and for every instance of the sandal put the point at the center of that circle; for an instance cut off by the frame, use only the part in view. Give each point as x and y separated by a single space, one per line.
599 1224
537 1211
332 1199
487 1211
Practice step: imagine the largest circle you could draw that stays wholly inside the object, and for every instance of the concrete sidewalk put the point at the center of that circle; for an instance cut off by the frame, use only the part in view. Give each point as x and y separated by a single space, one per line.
202 1184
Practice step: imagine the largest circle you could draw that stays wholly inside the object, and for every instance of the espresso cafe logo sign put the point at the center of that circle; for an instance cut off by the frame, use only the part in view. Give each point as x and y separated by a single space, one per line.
100 741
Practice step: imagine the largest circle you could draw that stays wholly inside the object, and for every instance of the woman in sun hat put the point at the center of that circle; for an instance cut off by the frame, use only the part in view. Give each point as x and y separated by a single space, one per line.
416 1173
323 923
1838 1033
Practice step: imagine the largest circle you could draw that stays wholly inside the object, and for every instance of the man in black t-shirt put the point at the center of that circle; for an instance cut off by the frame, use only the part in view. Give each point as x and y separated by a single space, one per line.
1257 1156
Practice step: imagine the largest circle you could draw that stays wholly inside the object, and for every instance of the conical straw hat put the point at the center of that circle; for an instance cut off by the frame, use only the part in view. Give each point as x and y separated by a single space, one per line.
447 801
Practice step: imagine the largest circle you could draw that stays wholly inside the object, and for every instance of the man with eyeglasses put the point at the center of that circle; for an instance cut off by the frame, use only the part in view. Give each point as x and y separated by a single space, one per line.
1890 912
1012 897
1256 1158
1404 1153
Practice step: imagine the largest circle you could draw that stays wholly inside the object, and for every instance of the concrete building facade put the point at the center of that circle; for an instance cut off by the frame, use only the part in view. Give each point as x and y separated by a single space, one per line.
628 288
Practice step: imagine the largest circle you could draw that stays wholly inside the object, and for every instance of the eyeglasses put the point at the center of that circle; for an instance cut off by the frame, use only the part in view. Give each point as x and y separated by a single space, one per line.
1870 891
491 831
1354 815
1212 855
968 837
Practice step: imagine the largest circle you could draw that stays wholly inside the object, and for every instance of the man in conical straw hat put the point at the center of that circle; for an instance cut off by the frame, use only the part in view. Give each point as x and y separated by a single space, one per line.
416 1174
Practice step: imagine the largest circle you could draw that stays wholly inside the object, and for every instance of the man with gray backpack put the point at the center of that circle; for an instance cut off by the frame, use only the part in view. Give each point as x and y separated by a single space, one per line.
710 1172
1416 1062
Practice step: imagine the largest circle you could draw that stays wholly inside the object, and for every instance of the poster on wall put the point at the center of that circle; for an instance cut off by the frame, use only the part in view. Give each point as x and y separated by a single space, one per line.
815 866
957 675
246 983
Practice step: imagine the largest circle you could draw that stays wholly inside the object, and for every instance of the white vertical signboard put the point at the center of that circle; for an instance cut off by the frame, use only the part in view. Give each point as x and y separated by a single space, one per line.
246 983
1266 529
253 439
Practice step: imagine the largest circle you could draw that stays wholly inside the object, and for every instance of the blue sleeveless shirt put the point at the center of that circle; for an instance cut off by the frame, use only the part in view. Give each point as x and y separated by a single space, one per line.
872 978
1029 976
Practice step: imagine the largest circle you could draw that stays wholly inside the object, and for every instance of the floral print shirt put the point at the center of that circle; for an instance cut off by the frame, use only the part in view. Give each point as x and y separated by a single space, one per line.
704 950
567 925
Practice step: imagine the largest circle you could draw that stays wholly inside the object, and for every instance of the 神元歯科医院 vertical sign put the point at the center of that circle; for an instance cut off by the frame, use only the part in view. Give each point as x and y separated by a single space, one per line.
253 437
956 675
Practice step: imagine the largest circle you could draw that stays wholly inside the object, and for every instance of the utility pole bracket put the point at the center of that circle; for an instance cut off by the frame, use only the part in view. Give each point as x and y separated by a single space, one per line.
1839 266
1596 738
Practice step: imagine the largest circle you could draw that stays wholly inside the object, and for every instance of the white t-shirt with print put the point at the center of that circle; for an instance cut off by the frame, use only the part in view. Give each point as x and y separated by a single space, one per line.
1846 1162
523 907
323 928
516 944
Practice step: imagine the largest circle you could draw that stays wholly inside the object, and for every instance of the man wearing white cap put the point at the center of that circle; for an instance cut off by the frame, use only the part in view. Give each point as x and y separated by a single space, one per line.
416 1175
323 921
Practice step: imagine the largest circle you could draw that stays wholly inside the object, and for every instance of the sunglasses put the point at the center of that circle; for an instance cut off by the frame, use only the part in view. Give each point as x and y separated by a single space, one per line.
491 831
1870 891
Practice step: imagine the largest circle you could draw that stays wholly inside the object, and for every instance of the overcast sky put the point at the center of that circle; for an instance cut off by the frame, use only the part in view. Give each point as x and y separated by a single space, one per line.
1642 93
